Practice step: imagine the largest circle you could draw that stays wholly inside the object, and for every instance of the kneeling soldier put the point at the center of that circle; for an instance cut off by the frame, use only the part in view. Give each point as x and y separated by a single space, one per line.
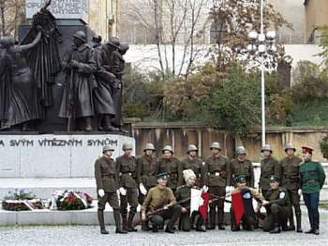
183 196
278 207
160 205
107 185
249 219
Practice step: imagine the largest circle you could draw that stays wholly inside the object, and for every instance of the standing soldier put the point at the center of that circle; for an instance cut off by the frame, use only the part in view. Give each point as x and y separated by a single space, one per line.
242 167
77 100
312 180
269 167
127 168
191 162
169 164
290 181
277 205
216 176
146 173
107 185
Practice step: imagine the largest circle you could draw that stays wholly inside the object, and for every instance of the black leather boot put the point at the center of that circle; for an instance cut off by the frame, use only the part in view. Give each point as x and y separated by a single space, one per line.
299 223
130 223
101 221
117 218
276 229
88 124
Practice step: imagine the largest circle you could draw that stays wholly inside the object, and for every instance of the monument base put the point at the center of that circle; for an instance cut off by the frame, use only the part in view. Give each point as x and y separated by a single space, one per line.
55 155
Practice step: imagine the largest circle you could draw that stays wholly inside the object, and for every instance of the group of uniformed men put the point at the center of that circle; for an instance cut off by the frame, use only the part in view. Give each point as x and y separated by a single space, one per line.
163 188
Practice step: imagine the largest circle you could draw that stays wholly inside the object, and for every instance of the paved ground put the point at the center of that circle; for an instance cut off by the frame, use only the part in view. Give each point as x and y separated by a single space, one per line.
89 235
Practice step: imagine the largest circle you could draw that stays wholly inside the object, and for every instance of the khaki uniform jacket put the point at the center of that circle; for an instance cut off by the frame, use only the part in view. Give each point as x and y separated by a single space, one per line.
269 167
216 171
244 168
171 166
157 198
127 169
289 169
106 174
146 171
194 164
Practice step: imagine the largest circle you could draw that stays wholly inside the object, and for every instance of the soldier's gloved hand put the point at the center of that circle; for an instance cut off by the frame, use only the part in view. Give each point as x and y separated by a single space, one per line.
122 191
142 189
101 192
300 192
204 189
184 210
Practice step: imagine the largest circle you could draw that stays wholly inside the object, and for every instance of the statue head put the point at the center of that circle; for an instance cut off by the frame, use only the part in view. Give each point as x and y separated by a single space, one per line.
79 38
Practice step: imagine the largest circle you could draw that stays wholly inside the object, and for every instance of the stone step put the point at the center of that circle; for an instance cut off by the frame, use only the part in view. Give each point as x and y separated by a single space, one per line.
44 187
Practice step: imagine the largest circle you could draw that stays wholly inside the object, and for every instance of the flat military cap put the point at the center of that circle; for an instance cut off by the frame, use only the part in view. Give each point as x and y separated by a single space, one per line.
307 149
163 175
107 148
266 147
240 179
192 147
289 146
274 178
215 145
149 146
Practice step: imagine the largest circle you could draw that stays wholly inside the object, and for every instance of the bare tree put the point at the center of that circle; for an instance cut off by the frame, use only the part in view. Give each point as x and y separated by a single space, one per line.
11 15
175 24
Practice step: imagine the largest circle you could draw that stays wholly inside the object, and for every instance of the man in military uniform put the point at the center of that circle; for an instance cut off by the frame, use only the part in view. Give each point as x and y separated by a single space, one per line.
183 197
126 166
242 167
79 66
107 185
146 173
249 219
216 175
169 164
290 181
312 178
277 205
269 167
160 205
191 162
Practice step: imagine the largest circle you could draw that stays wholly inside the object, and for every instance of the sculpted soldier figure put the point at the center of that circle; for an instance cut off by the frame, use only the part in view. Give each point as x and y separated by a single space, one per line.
79 66
107 60
107 185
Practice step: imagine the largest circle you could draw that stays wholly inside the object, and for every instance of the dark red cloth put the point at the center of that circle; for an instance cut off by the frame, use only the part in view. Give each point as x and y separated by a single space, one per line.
203 209
238 206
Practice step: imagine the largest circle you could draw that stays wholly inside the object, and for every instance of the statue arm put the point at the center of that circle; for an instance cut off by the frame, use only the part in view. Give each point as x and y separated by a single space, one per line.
25 47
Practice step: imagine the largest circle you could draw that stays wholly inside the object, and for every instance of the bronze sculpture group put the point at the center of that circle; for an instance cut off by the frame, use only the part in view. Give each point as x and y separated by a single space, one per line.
92 94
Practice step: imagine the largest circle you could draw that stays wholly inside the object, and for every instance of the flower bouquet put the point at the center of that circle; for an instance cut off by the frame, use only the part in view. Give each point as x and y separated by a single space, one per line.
21 200
70 200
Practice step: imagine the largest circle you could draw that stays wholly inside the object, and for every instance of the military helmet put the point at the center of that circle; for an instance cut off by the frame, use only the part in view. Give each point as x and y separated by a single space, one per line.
289 146
127 146
266 147
107 148
168 148
114 41
215 145
149 146
81 36
240 150
123 48
240 179
274 178
192 147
